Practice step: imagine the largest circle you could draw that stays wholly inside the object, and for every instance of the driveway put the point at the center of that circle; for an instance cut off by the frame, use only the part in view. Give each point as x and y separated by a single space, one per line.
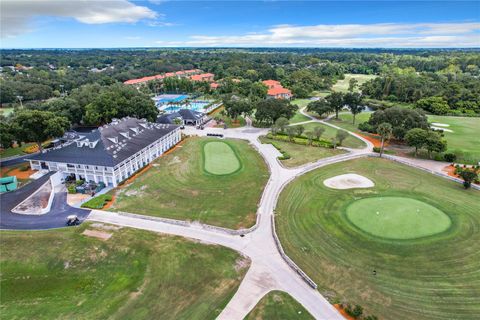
54 219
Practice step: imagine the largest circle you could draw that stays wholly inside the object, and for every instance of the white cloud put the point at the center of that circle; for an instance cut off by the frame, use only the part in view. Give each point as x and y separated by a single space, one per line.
16 15
464 34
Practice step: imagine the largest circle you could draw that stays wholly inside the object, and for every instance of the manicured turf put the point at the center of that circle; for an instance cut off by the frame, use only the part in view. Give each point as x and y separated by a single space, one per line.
465 138
345 120
397 217
177 187
350 141
301 154
278 305
342 85
434 277
10 152
220 158
299 117
135 274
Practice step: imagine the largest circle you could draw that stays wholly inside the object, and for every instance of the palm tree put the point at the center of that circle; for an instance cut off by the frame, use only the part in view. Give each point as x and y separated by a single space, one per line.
385 131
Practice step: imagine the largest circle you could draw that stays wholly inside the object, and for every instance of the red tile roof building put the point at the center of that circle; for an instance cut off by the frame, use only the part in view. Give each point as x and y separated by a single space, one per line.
203 77
180 74
276 90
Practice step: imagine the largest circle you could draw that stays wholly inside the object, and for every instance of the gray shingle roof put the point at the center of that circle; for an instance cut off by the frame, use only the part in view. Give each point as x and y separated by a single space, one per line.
108 145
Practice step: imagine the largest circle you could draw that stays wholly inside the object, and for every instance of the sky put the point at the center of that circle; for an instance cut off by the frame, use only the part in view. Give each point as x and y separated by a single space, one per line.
157 23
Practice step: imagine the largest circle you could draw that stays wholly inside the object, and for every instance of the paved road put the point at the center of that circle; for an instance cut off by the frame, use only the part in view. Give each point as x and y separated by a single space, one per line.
11 162
54 219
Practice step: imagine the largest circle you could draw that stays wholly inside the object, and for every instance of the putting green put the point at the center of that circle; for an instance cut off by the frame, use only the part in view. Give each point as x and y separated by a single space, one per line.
219 158
397 217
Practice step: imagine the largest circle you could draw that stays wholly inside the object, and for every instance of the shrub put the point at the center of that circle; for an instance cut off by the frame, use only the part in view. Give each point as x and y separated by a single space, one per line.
376 149
450 157
24 168
438 157
71 189
31 149
79 182
356 312
365 126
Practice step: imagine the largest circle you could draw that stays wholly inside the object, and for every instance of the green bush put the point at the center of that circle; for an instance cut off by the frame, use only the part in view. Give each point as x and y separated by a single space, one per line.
24 168
71 189
356 312
376 149
97 202
450 157
438 157
79 182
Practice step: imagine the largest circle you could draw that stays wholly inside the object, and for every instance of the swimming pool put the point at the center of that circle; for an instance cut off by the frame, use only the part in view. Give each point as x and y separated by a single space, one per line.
165 98
194 105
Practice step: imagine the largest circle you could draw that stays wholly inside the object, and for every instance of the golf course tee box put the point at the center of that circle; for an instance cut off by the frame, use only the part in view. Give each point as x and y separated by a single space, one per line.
220 158
397 217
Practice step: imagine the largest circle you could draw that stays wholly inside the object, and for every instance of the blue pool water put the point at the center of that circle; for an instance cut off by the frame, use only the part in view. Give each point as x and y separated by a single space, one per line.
195 106
165 98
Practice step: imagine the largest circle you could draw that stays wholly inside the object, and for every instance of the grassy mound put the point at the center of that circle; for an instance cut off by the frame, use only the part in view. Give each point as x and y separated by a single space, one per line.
280 306
433 277
219 158
63 274
397 217
177 186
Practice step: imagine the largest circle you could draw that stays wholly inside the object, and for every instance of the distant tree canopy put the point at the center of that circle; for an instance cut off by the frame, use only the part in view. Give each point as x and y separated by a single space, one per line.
447 91
269 110
401 120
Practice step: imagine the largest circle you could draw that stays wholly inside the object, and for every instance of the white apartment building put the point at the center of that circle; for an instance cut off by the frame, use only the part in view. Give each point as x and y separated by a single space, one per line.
111 153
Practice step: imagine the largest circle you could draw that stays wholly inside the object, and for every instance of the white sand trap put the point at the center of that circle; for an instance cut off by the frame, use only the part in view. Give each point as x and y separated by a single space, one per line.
441 128
437 124
348 181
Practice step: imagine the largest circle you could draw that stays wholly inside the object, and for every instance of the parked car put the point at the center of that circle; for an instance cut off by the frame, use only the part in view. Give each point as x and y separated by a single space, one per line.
72 220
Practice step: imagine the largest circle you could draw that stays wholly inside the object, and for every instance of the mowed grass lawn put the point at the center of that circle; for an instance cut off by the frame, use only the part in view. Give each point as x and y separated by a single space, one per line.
433 277
177 186
345 120
299 117
278 305
62 274
300 154
465 138
342 85
350 141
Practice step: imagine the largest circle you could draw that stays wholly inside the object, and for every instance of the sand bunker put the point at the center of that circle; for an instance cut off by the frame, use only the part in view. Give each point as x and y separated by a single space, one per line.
440 128
348 181
97 234
437 124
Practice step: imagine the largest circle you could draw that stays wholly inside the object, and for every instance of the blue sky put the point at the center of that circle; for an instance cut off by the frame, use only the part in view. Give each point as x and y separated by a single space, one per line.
123 23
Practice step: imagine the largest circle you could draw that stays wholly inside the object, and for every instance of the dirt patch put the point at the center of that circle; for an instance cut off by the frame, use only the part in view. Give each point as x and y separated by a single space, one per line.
75 198
175 160
105 226
376 142
342 312
6 171
97 234
242 263
348 181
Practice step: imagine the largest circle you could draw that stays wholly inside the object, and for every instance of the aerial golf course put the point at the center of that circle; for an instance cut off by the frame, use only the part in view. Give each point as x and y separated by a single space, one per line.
418 232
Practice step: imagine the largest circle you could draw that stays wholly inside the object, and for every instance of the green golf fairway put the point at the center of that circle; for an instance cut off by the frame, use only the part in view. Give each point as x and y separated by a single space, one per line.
397 217
220 158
